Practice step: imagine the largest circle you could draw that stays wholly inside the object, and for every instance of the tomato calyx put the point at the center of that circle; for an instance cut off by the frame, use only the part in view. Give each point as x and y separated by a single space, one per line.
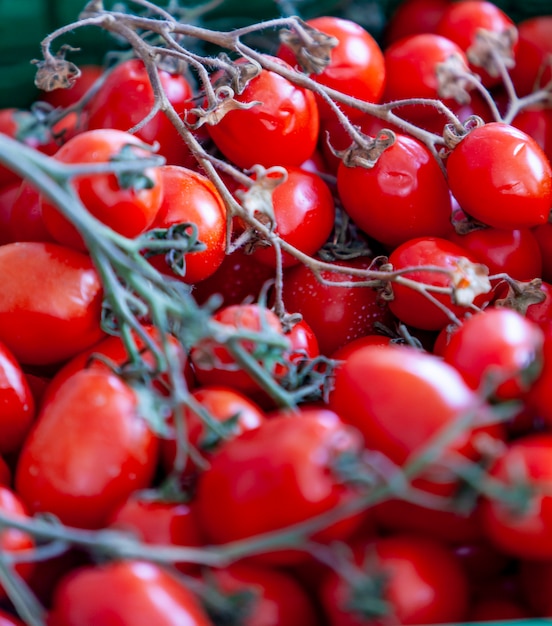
130 179
454 79
365 153
223 102
452 135
257 199
311 47
522 294
493 51
55 72
469 280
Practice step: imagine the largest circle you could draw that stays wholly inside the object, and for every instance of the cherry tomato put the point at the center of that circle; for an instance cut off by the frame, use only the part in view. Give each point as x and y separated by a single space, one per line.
89 450
288 459
304 215
62 98
8 195
413 17
356 66
7 619
463 23
125 592
499 349
404 195
283 130
17 406
536 121
336 314
190 197
233 411
500 176
50 302
414 308
126 98
276 596
532 68
518 520
128 208
421 582
26 222
543 234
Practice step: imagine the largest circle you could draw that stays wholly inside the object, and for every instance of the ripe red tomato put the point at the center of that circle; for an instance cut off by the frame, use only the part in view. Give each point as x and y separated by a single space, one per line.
518 520
543 234
304 213
278 474
282 130
50 302
128 209
336 314
89 74
233 411
500 176
125 592
26 222
404 195
277 598
498 348
413 17
412 307
536 121
462 22
89 450
410 70
421 582
8 195
7 619
17 405
532 69
126 98
190 197
356 66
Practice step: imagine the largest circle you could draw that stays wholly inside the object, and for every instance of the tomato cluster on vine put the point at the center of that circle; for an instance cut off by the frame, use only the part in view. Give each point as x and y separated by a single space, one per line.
276 327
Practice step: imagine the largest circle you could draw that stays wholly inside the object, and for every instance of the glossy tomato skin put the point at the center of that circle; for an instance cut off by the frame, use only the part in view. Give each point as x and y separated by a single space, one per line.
126 98
413 308
498 347
191 197
422 583
534 45
127 210
356 65
80 462
521 528
412 396
26 222
460 22
124 592
278 598
17 405
50 303
404 195
500 176
287 459
335 313
536 121
304 213
413 17
283 130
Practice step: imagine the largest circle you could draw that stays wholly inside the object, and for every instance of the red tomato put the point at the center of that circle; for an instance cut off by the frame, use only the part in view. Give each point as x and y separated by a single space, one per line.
404 195
543 234
8 195
215 365
498 609
283 130
304 214
420 582
7 619
276 597
233 412
536 121
356 66
50 302
158 522
498 350
190 197
414 308
335 313
126 98
413 17
17 406
125 592
410 70
63 98
278 474
501 177
536 585
129 209
519 520
411 397
462 22
515 252
13 540
88 451
26 222
537 398
532 69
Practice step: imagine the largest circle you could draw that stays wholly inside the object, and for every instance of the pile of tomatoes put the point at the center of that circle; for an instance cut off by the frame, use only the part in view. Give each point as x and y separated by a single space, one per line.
276 329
